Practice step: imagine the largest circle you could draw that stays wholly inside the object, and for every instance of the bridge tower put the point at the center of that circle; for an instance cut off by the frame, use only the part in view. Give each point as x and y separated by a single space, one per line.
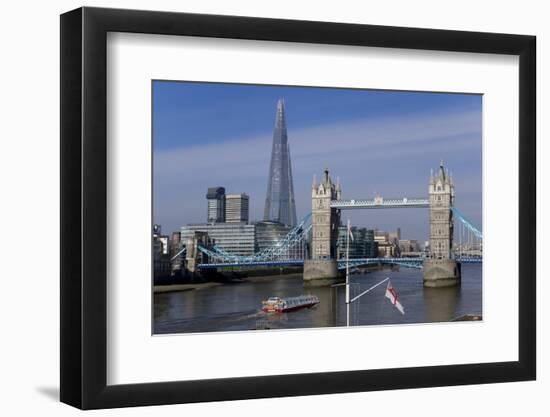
440 269
322 267
193 255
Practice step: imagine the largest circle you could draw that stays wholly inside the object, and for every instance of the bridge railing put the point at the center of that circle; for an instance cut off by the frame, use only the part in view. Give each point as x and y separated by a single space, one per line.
381 202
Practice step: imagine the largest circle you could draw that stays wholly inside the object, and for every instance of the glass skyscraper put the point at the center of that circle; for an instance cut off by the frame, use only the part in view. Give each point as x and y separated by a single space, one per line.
279 202
216 205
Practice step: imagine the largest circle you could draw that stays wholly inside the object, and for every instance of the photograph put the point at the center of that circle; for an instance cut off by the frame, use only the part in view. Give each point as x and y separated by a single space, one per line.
259 208
292 207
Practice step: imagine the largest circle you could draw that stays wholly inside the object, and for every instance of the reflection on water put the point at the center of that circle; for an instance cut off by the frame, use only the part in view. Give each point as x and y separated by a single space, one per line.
237 306
440 303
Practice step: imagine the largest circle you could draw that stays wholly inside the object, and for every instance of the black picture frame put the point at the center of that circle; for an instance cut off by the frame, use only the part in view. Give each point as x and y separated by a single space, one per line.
84 207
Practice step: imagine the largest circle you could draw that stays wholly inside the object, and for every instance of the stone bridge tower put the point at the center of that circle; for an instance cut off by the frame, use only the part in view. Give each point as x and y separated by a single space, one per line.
440 269
193 255
322 267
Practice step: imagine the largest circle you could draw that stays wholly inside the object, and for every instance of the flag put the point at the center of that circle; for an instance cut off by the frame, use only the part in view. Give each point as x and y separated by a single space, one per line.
350 234
392 296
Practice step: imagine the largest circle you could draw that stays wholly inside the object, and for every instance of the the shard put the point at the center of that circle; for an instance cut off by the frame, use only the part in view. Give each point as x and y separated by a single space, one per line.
279 202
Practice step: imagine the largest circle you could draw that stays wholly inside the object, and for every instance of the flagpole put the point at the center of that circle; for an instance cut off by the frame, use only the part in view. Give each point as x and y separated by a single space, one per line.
369 290
347 273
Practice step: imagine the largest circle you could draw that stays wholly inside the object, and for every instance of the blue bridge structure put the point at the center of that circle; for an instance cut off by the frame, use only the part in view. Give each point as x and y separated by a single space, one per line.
313 242
281 254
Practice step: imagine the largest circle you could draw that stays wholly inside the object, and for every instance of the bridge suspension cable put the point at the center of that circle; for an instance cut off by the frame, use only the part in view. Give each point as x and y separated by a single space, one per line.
184 249
466 223
469 240
293 246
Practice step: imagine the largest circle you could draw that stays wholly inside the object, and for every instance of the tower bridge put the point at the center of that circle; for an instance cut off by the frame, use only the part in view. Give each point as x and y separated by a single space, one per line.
440 268
313 241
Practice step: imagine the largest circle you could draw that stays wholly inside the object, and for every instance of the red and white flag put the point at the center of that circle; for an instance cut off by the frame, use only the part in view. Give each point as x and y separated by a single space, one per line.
392 296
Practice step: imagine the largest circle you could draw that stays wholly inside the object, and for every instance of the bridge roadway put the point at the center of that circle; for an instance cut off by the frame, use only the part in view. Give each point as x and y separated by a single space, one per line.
415 263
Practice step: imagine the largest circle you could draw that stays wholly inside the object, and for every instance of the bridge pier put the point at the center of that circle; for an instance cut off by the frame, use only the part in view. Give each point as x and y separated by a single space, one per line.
320 272
440 273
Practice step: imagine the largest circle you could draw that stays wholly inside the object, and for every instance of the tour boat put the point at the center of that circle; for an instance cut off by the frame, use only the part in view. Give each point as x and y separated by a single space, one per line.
283 305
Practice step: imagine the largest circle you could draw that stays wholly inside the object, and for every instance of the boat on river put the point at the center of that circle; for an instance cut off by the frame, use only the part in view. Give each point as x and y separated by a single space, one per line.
284 305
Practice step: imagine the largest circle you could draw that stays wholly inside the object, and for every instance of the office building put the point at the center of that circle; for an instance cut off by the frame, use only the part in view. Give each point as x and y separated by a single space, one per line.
363 244
162 239
409 246
161 260
235 238
371 246
216 205
236 208
388 246
395 237
165 244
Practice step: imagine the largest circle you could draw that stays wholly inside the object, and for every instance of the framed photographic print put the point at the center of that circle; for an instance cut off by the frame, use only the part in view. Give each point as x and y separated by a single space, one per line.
258 207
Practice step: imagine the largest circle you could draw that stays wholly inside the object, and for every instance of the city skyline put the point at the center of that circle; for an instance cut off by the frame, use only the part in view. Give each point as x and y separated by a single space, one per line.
376 142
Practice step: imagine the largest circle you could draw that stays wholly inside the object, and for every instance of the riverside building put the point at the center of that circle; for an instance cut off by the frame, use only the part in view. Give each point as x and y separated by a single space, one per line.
235 238
236 208
363 244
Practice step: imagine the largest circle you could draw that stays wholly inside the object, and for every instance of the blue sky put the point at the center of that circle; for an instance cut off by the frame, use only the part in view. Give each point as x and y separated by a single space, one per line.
210 134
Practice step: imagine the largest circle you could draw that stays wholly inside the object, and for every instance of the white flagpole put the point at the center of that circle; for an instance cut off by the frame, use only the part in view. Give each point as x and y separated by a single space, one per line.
369 290
347 273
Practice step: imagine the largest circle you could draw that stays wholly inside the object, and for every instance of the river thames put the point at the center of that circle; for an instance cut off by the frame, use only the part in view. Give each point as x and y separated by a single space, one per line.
237 306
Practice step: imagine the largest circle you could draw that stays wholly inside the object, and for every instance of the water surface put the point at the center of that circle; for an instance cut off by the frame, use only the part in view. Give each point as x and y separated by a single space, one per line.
238 306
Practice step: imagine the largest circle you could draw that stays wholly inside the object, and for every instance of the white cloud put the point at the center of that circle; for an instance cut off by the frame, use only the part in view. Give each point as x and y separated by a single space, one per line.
390 155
